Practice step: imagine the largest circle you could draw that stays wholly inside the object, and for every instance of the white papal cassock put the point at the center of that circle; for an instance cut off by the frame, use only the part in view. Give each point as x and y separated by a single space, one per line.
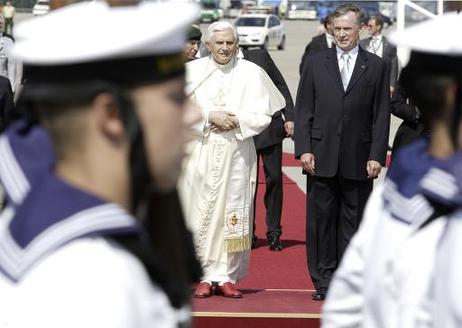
219 179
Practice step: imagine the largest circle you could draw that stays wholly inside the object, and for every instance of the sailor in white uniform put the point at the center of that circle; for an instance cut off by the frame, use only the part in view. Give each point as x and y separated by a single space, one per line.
385 278
106 125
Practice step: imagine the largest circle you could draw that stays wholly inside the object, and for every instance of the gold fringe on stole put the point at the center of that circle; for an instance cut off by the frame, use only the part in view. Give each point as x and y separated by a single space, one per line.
237 244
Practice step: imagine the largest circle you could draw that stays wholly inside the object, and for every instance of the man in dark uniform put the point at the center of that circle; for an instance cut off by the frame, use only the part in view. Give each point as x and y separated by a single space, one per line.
269 147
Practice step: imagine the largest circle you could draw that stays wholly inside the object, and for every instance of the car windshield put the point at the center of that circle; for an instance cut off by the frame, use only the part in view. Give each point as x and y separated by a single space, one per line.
251 21
299 5
209 5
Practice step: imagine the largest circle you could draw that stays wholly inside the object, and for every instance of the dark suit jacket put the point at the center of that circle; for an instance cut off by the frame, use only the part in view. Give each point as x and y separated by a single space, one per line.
318 43
6 102
412 127
343 129
275 132
388 55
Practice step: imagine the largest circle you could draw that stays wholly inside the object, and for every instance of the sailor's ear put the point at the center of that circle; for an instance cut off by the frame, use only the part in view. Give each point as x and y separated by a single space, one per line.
107 116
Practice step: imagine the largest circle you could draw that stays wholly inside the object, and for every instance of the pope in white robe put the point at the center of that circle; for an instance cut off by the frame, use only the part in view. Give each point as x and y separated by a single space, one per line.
219 179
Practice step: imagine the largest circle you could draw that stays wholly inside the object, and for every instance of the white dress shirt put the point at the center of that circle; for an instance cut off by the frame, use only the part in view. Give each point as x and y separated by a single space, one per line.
376 45
353 54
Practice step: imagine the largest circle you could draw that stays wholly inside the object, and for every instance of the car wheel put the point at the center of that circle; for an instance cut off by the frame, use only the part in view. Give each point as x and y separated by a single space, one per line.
265 44
282 45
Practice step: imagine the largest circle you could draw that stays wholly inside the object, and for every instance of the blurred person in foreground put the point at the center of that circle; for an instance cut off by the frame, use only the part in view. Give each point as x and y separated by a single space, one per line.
81 245
402 268
342 121
237 99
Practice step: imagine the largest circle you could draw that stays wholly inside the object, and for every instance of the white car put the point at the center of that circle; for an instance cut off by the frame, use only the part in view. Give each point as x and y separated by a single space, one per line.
260 30
41 7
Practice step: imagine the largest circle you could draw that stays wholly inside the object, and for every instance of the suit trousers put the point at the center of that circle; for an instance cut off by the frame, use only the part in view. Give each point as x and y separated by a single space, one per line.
334 209
272 165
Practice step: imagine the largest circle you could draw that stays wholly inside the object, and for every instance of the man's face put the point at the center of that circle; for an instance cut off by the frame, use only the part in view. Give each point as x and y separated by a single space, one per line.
373 28
191 48
223 46
166 118
330 27
346 31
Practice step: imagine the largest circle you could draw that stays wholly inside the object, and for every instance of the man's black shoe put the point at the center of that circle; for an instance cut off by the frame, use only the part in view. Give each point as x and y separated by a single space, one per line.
275 244
320 294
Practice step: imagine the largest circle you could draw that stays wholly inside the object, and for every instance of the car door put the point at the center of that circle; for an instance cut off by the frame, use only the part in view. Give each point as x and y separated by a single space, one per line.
271 31
278 31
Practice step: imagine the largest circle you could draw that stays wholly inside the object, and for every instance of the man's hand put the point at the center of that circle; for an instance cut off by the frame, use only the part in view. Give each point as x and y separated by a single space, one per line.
307 161
223 121
289 127
373 169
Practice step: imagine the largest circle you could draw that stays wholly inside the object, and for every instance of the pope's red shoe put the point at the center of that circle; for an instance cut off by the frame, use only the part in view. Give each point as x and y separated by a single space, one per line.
228 290
203 290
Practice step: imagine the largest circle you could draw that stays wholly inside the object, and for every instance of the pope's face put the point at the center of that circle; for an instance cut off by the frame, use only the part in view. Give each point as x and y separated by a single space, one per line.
166 118
346 31
223 46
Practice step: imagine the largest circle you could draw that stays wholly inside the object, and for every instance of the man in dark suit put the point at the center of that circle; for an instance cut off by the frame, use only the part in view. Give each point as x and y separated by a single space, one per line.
6 103
342 123
320 42
379 45
412 127
269 147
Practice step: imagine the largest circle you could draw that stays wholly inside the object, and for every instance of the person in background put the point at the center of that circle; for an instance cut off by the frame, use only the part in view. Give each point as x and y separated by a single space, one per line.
193 43
79 171
237 99
7 62
269 146
342 121
379 45
412 127
9 12
7 107
320 42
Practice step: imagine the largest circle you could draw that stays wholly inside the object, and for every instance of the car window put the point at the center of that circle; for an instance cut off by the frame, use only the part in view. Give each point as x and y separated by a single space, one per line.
272 22
276 21
251 21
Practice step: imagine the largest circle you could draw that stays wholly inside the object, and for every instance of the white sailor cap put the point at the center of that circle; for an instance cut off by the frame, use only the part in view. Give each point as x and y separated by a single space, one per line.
91 39
440 35
436 46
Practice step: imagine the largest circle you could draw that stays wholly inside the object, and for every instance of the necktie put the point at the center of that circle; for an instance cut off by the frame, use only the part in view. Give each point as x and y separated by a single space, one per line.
345 72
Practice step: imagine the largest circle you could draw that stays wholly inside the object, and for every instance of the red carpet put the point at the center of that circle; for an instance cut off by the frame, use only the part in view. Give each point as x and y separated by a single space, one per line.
277 291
